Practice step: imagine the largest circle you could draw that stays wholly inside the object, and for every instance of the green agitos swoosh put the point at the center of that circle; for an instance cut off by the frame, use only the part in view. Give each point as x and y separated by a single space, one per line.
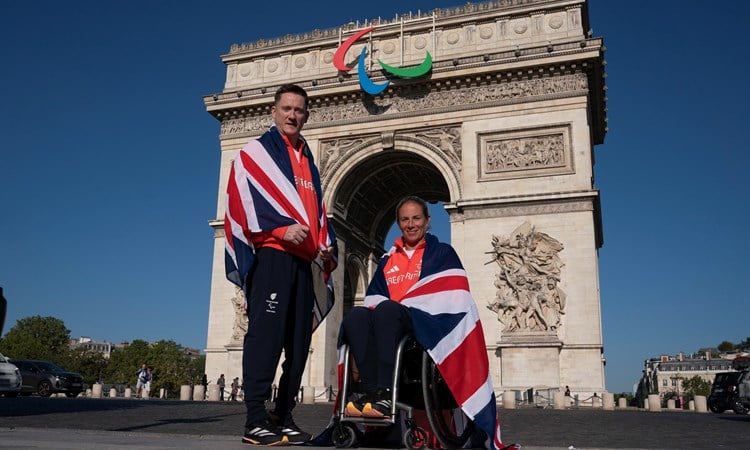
409 72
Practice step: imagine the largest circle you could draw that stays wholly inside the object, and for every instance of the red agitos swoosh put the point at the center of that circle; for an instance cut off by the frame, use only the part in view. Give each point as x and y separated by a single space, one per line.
338 57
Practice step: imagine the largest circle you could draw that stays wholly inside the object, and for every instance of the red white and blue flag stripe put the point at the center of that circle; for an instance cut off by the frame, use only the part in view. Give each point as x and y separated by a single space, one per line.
446 323
262 196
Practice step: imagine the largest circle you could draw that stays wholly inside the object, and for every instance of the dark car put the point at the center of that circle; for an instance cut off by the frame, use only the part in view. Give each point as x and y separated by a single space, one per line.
46 378
3 310
724 391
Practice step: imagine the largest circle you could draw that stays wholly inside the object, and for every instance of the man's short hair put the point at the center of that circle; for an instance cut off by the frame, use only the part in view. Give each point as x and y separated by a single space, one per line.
292 88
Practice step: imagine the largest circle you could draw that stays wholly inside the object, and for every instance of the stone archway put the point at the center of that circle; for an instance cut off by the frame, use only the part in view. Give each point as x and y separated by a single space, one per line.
365 197
501 130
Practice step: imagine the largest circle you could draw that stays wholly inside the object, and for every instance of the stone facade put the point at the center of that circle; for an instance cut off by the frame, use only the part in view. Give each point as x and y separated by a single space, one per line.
501 130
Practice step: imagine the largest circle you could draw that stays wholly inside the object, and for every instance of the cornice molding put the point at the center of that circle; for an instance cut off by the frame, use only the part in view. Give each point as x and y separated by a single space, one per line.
419 100
489 10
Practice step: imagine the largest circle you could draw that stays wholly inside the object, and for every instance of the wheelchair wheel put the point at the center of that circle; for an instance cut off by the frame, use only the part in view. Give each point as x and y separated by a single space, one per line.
439 403
344 436
415 438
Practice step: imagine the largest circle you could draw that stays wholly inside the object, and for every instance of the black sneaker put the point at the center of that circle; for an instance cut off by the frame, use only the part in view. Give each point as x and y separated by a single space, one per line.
293 434
263 432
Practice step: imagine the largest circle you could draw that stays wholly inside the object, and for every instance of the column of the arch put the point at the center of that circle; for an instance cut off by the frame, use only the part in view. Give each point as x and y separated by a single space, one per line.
222 354
323 366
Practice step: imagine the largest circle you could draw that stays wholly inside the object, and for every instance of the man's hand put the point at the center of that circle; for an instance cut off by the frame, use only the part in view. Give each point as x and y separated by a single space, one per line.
326 257
296 233
326 254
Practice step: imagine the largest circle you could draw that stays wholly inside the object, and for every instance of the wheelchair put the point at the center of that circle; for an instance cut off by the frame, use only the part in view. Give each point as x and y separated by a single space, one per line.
417 385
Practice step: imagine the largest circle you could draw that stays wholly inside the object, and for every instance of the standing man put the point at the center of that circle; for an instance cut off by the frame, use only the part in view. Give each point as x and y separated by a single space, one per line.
222 384
141 380
148 377
235 389
275 227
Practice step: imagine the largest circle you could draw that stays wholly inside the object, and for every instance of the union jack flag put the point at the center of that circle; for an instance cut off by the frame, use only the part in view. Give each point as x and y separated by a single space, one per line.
262 196
446 324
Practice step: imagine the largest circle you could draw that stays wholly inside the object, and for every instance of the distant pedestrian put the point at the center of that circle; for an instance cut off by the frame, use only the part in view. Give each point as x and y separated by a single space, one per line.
235 388
140 380
147 385
567 391
222 384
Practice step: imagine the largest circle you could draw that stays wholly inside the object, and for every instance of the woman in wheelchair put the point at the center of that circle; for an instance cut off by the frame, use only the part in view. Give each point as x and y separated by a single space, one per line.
374 331
420 288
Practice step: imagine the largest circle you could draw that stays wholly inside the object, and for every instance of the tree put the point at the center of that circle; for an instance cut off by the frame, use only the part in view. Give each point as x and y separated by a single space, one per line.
124 362
89 363
695 386
171 368
726 346
37 338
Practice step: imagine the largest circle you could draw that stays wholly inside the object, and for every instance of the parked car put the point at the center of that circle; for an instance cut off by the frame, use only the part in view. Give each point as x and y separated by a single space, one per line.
724 391
741 403
10 378
46 378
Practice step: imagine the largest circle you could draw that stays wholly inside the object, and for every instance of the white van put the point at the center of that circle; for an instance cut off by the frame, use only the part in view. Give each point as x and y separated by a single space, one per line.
10 378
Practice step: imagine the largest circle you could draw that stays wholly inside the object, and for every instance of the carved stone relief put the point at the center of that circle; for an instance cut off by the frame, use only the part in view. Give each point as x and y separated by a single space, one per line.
428 100
530 152
335 149
521 153
447 139
239 327
528 296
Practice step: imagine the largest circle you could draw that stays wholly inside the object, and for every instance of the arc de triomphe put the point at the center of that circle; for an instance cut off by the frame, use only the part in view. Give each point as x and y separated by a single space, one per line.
500 126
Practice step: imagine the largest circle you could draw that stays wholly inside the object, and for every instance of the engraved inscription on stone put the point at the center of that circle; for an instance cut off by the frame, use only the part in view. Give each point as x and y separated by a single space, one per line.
528 296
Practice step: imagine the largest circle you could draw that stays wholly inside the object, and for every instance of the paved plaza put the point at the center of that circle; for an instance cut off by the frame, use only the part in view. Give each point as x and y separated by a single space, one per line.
61 423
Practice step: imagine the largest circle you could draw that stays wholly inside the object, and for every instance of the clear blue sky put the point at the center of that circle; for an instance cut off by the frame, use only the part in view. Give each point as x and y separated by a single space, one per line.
109 164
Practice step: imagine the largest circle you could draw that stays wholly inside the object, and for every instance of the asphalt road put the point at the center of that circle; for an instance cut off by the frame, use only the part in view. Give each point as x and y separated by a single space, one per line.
33 422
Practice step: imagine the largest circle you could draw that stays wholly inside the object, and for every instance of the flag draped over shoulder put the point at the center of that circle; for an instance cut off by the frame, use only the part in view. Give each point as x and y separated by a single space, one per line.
446 324
262 196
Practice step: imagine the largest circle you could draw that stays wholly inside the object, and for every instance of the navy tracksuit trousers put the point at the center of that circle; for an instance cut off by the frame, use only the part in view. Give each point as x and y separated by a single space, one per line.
280 313
373 336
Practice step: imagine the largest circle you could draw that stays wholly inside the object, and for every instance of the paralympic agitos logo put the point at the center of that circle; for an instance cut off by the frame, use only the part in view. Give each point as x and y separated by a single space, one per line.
367 84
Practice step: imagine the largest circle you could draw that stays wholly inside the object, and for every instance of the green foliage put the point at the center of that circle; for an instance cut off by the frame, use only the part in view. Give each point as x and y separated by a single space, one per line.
727 346
695 386
124 362
170 367
48 339
629 398
37 337
88 363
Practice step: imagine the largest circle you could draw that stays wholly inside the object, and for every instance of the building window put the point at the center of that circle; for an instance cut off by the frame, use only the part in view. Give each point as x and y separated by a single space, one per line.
664 382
